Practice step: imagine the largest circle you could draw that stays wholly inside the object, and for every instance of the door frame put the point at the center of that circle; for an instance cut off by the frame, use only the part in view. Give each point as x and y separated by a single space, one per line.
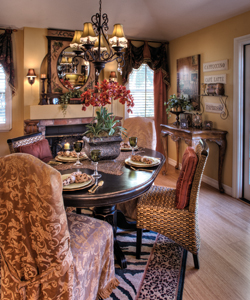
238 115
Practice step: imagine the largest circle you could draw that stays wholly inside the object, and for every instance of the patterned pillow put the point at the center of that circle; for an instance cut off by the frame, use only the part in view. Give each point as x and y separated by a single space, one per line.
184 182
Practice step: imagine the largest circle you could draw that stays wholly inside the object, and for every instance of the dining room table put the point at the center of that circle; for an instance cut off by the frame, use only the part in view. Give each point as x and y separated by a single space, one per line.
122 179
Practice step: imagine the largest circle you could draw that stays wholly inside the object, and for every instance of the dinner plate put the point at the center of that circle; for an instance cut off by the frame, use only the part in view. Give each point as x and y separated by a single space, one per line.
77 186
69 159
156 162
128 149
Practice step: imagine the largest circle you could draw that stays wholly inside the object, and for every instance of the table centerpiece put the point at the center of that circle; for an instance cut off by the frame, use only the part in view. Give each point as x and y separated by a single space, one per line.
104 132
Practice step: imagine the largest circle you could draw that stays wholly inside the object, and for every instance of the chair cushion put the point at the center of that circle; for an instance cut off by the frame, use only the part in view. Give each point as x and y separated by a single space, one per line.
40 149
184 182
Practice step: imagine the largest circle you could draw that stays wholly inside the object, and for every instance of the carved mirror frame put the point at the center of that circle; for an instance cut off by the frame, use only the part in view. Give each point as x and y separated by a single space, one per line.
58 40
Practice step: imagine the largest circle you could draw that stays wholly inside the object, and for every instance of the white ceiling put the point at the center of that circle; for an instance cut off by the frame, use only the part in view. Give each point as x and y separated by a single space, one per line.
162 20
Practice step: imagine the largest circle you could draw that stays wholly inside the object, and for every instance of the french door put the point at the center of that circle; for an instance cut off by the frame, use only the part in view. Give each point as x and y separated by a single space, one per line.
246 163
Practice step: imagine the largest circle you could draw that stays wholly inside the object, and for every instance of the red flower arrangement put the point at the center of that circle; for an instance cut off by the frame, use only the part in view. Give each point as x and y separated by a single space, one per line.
103 92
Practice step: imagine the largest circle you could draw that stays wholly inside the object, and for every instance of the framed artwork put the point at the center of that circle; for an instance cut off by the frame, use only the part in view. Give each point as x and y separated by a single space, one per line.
188 79
208 125
197 120
184 123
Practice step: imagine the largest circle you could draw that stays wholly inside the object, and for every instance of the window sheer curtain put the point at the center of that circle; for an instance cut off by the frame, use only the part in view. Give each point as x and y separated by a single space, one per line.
157 59
6 57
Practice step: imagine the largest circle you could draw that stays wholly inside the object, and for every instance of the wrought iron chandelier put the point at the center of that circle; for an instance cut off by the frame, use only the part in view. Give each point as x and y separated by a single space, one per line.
93 45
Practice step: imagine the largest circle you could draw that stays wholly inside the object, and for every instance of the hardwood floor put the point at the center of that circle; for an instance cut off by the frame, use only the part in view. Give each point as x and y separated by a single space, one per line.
224 256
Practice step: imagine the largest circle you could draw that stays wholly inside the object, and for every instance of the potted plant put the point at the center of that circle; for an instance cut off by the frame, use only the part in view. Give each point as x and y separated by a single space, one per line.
104 133
175 104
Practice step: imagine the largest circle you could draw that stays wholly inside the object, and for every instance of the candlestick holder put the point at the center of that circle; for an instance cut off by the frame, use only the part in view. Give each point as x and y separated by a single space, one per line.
43 100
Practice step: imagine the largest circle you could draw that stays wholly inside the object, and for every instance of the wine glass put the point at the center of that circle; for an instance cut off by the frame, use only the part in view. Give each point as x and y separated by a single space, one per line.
78 149
133 143
95 156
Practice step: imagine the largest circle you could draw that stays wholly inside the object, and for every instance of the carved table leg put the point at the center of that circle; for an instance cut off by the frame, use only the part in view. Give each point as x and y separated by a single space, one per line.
109 214
222 150
164 139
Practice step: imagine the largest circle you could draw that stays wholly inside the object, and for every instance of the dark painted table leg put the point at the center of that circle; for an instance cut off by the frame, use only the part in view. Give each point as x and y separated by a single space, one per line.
123 223
109 214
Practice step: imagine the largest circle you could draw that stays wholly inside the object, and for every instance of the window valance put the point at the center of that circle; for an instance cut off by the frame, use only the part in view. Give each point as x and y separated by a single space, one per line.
6 57
155 57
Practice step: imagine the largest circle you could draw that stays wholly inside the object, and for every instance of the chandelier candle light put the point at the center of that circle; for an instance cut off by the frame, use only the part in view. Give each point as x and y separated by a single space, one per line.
93 45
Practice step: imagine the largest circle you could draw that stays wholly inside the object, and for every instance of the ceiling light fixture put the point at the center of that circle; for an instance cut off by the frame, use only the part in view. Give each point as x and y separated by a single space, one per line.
87 46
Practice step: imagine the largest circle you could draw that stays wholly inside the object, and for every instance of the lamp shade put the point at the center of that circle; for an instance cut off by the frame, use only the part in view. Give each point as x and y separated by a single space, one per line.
64 60
88 35
102 46
31 76
118 38
31 73
76 43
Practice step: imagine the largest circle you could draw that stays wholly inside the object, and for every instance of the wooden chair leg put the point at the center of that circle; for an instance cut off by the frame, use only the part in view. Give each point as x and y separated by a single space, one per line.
196 261
138 243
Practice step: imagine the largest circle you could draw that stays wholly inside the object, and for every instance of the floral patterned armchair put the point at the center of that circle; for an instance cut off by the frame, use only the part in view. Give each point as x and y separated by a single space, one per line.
46 253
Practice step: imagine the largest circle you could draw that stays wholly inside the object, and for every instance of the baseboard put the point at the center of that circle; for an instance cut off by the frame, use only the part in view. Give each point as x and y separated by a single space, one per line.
214 183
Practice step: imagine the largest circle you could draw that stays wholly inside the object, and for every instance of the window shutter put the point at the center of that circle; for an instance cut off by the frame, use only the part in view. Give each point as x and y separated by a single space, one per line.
2 96
141 85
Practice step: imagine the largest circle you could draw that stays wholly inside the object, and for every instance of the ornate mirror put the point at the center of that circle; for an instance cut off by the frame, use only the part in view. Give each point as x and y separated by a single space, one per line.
66 71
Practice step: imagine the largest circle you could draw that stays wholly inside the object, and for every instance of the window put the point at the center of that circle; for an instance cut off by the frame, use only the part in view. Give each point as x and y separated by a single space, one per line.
5 102
141 86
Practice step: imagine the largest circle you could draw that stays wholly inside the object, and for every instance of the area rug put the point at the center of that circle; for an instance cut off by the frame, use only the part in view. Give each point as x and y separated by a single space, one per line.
159 274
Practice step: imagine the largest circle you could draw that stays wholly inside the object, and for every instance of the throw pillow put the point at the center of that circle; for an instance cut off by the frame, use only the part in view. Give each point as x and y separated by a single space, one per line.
184 182
40 149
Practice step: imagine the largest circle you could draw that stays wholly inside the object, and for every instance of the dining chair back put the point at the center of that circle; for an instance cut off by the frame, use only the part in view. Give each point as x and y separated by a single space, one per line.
46 253
157 211
143 129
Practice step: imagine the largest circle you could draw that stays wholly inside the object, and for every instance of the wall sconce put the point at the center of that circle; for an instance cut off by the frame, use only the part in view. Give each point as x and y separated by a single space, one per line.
31 76
112 76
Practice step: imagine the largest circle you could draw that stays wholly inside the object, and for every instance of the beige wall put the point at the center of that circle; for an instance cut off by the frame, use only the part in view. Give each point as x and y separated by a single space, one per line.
212 43
29 49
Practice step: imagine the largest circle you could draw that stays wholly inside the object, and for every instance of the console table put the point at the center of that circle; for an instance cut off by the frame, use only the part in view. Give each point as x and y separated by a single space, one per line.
191 136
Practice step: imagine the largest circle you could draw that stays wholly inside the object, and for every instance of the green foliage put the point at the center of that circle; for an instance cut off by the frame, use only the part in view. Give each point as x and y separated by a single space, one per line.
104 125
174 102
65 98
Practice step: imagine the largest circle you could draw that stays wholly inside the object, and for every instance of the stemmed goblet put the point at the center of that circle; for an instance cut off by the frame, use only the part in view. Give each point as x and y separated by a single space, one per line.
78 149
95 156
133 143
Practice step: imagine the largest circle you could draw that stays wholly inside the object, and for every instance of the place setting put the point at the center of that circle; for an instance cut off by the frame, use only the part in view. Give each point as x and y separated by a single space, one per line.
76 155
79 180
138 162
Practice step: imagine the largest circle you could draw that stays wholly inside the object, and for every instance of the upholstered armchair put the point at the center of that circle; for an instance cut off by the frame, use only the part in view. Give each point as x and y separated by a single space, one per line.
174 212
46 253
34 144
144 130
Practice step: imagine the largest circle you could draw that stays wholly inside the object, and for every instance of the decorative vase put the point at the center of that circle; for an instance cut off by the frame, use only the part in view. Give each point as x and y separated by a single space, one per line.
109 146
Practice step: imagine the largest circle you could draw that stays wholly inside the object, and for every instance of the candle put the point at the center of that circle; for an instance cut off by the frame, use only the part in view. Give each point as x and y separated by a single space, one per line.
43 75
66 146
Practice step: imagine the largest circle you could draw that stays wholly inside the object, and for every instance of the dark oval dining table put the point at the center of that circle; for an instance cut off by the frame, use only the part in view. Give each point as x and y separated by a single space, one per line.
116 189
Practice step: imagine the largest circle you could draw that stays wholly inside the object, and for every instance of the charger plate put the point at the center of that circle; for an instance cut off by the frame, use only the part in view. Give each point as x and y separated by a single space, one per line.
156 162
77 186
69 159
129 149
